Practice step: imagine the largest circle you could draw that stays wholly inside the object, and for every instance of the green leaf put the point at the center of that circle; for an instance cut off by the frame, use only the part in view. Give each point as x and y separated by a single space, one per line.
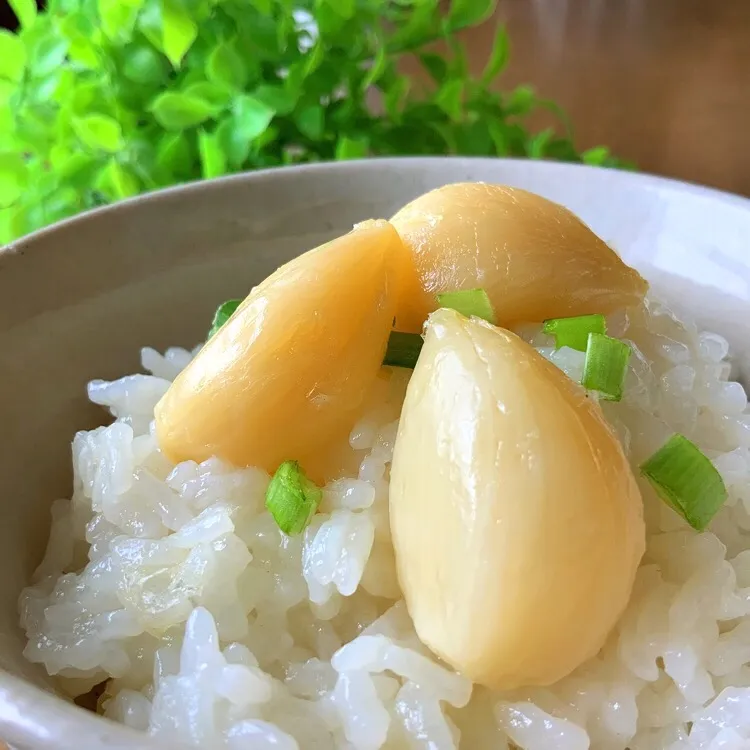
13 178
7 233
216 94
394 97
435 65
287 34
178 111
88 96
33 132
521 101
465 13
103 98
12 56
224 65
7 89
118 17
237 137
77 25
84 53
344 8
140 155
422 25
295 78
144 65
116 182
25 11
311 121
252 116
213 160
64 203
46 50
81 35
498 56
65 81
314 58
268 136
60 152
77 169
561 149
259 39
173 156
29 218
458 62
518 139
41 91
537 145
150 24
596 156
98 132
447 136
474 139
330 22
377 68
179 30
450 98
498 134
351 148
279 99
235 146
559 113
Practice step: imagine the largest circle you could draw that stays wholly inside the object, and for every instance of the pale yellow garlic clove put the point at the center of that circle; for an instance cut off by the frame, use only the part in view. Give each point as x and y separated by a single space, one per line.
516 520
535 259
289 372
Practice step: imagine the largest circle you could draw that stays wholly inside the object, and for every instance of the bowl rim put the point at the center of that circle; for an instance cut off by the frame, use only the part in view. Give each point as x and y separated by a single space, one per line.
29 714
358 166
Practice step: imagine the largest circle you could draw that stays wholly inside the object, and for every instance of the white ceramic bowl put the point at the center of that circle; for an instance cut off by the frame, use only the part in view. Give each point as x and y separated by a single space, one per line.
78 300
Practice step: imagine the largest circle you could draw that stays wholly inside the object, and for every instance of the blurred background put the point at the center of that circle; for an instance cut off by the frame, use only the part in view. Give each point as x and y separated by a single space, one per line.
659 85
664 83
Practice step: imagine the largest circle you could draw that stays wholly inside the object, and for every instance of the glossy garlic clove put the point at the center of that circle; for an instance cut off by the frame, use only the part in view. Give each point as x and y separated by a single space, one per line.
516 520
535 259
288 373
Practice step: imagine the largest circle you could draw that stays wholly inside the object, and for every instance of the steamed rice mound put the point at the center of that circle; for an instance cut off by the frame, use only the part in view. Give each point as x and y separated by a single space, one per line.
212 628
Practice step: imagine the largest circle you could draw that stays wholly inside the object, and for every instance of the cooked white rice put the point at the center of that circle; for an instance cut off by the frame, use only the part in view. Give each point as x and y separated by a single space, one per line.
213 628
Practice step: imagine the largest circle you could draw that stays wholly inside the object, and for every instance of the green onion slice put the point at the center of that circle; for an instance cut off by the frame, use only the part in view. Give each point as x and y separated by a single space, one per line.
469 302
223 312
574 332
686 480
606 366
403 349
292 499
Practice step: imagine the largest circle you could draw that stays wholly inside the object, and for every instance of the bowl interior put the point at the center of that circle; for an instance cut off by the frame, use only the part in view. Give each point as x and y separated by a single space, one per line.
77 302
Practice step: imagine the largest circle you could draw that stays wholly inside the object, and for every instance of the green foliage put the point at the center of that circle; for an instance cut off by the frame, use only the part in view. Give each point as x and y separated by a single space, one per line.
104 99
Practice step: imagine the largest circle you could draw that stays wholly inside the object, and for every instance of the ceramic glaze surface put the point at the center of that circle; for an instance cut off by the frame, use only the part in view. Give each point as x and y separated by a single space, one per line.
153 270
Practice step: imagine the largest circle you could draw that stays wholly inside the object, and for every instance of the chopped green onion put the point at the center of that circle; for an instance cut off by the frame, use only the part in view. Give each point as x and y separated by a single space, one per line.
291 498
223 312
686 480
606 366
403 349
469 302
574 332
